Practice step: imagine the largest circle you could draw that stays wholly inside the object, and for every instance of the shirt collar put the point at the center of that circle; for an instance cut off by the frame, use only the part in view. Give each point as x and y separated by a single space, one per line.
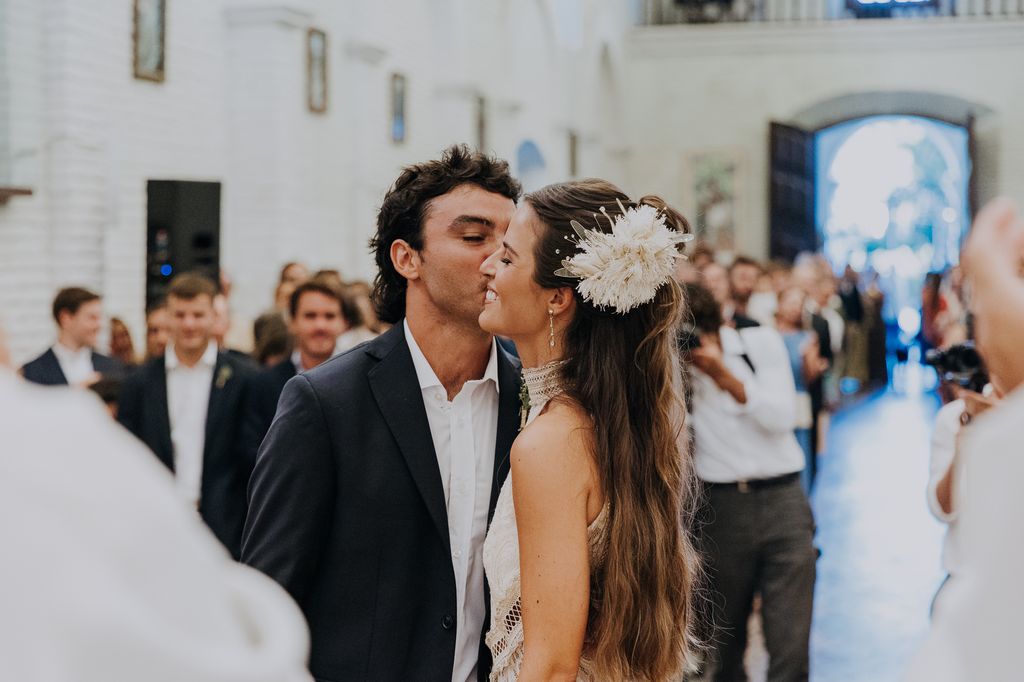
732 344
65 353
425 373
208 360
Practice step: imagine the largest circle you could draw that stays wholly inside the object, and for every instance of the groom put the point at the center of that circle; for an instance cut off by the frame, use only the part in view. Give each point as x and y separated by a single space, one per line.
374 487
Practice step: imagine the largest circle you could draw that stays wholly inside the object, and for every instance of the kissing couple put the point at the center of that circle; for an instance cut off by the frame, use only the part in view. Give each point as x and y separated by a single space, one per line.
434 525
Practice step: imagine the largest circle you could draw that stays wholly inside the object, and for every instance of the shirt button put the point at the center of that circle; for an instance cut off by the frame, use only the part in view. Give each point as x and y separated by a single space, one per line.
447 622
457 553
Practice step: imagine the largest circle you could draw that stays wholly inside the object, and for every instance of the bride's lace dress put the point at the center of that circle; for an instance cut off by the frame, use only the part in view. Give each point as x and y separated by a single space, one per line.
501 557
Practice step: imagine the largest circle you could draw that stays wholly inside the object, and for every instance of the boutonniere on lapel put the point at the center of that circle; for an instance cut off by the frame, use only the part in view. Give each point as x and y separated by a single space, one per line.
223 376
524 405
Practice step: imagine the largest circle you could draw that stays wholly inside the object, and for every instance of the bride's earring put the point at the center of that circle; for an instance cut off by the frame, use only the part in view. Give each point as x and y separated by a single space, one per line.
551 321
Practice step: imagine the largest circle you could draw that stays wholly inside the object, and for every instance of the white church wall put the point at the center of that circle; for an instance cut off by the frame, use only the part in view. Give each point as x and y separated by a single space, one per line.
86 135
694 88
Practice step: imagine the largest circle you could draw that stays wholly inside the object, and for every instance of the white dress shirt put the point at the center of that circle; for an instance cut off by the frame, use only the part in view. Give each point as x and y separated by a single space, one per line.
76 364
188 399
107 575
944 436
464 432
734 442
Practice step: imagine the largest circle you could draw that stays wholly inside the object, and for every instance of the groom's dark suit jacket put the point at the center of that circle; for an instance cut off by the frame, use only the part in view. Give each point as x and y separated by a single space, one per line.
142 408
46 368
347 512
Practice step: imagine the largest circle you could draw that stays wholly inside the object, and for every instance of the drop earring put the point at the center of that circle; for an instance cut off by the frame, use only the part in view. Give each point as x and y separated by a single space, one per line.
551 322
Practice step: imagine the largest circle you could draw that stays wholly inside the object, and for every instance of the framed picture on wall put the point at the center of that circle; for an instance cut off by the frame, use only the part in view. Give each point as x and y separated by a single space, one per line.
714 189
148 39
397 108
316 70
480 109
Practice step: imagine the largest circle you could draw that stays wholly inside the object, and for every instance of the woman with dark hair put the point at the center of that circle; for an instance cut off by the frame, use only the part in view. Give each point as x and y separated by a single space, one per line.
591 569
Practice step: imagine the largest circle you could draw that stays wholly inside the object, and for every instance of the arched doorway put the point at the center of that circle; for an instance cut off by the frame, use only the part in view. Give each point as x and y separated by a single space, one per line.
892 200
915 166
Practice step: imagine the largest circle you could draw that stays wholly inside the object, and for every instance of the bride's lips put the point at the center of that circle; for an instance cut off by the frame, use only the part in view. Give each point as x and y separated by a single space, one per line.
490 296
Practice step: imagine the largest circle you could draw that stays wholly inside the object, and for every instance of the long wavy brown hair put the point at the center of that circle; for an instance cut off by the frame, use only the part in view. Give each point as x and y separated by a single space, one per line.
624 370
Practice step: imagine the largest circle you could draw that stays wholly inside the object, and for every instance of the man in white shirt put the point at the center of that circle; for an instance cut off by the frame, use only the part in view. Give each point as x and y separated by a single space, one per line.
106 575
188 407
758 529
72 360
374 486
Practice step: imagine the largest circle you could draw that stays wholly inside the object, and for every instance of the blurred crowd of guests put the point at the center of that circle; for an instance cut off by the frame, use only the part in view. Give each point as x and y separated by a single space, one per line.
832 327
202 406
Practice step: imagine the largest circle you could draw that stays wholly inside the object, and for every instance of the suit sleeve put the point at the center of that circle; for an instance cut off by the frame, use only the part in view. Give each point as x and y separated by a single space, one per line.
291 492
129 404
255 420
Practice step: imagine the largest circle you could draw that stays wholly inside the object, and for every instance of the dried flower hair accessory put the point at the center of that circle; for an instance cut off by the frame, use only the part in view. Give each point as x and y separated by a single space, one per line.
624 268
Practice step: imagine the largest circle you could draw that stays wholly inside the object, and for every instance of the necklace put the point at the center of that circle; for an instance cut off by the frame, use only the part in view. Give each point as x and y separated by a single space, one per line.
540 384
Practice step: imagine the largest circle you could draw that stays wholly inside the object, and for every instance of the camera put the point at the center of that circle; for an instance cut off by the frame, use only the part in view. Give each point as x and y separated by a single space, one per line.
961 365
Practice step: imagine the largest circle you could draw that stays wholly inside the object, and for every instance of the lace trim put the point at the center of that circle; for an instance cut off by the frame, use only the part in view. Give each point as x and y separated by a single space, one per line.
505 638
543 383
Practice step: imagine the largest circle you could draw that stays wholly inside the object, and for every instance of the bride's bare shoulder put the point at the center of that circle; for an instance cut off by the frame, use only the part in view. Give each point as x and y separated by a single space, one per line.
558 443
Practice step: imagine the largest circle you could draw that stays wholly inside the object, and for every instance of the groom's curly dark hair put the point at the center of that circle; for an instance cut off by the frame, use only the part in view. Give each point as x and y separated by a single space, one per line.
405 206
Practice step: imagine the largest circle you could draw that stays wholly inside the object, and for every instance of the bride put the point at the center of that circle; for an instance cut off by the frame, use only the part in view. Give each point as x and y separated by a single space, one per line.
591 569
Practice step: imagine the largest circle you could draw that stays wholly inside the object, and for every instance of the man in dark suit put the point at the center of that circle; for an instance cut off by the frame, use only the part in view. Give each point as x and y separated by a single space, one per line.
72 360
375 484
187 406
315 322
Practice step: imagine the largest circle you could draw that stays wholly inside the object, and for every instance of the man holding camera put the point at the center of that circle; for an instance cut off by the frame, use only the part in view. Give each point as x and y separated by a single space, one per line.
961 369
976 631
758 529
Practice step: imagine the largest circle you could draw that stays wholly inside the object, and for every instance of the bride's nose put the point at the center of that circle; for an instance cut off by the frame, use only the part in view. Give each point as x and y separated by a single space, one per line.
487 268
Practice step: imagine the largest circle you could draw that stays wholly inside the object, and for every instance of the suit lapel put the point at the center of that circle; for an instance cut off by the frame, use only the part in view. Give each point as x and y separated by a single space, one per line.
222 371
157 390
397 392
53 365
508 423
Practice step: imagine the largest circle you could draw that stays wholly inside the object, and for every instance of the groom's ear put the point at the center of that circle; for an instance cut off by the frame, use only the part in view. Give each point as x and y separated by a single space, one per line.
561 300
405 259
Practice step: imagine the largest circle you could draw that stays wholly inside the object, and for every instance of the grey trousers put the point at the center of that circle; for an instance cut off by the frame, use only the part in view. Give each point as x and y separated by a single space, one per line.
760 541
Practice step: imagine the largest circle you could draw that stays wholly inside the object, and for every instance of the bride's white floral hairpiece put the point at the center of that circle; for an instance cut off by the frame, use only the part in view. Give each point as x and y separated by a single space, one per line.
624 268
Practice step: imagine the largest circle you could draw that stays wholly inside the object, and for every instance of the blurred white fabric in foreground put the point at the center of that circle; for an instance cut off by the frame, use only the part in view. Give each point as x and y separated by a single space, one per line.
106 575
976 632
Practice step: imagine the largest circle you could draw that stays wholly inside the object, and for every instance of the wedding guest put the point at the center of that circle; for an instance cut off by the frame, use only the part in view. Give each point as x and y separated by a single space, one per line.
293 273
106 575
121 347
356 329
716 278
273 341
315 322
807 366
375 484
331 277
157 331
360 292
975 633
946 468
73 360
743 275
758 529
188 407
